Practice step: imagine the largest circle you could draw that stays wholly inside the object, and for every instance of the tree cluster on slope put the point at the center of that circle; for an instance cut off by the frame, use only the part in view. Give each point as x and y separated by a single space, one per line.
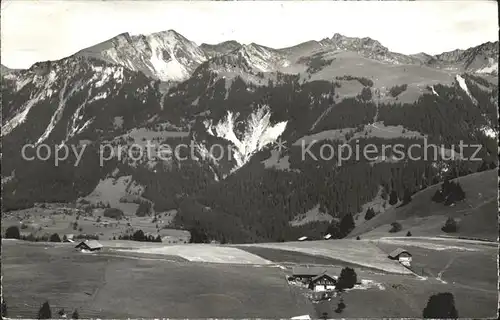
144 209
4 308
397 90
364 81
113 213
449 193
139 235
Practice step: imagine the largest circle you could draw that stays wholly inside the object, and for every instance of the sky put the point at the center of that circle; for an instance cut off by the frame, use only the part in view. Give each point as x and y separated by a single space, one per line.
39 30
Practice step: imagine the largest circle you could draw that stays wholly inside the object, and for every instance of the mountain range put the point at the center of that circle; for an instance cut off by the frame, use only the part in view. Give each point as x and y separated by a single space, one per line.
165 88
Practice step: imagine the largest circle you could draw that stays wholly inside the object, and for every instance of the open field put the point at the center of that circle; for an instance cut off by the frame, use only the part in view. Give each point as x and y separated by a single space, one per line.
100 285
60 218
350 251
121 284
476 215
466 264
293 257
387 75
406 297
204 253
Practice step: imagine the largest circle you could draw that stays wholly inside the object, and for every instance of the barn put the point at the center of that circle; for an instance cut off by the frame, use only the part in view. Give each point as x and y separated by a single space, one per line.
403 256
323 282
89 246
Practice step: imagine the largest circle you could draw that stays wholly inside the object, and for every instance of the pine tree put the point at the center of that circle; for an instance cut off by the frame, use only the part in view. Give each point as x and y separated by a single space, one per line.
393 199
395 227
370 213
407 197
347 225
347 279
139 236
340 306
484 166
450 225
55 238
44 312
441 306
438 196
334 230
12 233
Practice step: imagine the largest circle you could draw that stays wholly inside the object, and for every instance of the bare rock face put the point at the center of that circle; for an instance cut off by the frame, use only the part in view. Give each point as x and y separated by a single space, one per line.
166 56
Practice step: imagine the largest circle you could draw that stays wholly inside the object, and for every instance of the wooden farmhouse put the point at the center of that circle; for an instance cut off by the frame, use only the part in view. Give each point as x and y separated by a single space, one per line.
403 256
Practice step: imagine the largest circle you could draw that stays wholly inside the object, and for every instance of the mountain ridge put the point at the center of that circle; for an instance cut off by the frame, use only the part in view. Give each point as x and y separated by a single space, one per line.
122 48
243 98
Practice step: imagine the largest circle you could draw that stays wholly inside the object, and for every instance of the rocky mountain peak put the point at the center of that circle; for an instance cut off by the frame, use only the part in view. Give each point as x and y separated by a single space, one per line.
356 44
164 55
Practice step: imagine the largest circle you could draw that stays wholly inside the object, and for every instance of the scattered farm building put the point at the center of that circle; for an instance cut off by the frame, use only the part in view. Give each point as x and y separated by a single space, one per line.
322 282
89 246
304 238
327 237
403 256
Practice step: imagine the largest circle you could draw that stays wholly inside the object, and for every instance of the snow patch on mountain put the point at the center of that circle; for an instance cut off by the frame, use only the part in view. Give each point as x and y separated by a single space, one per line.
262 59
104 74
59 111
77 116
166 70
258 133
166 55
21 116
434 91
493 68
99 96
42 93
20 84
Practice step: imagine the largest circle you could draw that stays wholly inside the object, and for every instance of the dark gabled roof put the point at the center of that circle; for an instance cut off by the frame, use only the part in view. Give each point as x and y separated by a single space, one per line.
396 253
323 275
307 271
91 244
